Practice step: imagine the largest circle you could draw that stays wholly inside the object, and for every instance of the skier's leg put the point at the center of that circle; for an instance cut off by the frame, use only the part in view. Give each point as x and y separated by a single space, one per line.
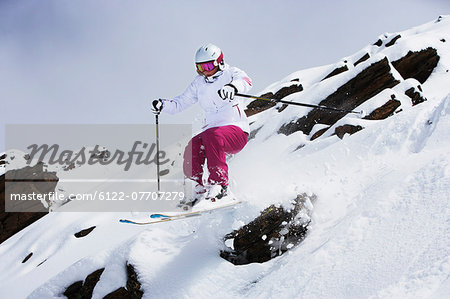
219 141
194 159
215 154
234 139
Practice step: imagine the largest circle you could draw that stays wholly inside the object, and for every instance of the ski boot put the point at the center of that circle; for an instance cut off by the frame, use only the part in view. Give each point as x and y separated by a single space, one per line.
217 192
198 193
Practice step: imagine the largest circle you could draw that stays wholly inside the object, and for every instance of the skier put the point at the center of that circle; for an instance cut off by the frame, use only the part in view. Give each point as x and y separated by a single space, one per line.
226 126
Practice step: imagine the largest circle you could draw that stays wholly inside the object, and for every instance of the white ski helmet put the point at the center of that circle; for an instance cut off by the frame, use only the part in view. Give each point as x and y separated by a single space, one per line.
210 52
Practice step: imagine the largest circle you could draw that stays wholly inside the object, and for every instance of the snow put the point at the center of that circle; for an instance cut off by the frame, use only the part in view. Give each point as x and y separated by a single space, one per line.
380 226
384 220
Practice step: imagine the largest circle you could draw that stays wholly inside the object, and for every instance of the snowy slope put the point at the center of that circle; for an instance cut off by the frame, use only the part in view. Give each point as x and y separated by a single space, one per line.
381 224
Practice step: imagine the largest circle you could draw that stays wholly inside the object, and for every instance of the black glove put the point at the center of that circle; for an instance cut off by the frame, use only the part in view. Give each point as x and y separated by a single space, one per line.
227 92
157 106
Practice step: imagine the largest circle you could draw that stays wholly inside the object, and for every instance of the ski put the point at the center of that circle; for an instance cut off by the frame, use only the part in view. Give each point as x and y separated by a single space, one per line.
158 218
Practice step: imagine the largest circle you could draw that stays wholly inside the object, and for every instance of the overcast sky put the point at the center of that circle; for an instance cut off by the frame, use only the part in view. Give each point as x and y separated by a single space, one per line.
103 61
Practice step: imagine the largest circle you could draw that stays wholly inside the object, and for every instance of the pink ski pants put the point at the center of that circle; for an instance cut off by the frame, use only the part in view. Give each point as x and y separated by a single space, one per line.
212 145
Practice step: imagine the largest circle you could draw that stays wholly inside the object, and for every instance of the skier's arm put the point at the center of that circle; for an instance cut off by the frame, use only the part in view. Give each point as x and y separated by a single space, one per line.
240 80
181 102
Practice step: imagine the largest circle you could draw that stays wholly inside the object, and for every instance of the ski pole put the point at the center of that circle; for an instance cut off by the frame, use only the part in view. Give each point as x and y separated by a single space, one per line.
298 104
157 153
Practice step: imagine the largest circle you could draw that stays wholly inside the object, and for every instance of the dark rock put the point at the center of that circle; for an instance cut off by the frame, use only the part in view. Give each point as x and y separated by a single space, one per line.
120 293
80 290
347 129
27 257
369 82
336 71
417 65
84 290
384 111
365 85
364 58
271 234
73 291
133 284
84 232
31 179
23 181
416 96
319 133
392 41
285 91
257 106
90 282
378 43
12 223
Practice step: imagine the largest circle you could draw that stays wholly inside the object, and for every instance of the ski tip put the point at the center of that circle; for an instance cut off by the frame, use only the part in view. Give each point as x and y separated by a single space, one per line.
126 221
153 216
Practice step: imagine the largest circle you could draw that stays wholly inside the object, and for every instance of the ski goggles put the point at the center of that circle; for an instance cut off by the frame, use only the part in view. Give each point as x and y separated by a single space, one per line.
205 66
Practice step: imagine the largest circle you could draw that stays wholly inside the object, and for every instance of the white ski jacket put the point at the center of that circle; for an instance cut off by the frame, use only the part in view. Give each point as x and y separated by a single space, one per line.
218 112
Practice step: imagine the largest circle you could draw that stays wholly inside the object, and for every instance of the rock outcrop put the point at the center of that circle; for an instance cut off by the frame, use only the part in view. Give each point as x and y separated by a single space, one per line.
271 234
418 65
336 71
369 82
365 85
84 289
261 105
346 129
385 110
27 180
80 289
